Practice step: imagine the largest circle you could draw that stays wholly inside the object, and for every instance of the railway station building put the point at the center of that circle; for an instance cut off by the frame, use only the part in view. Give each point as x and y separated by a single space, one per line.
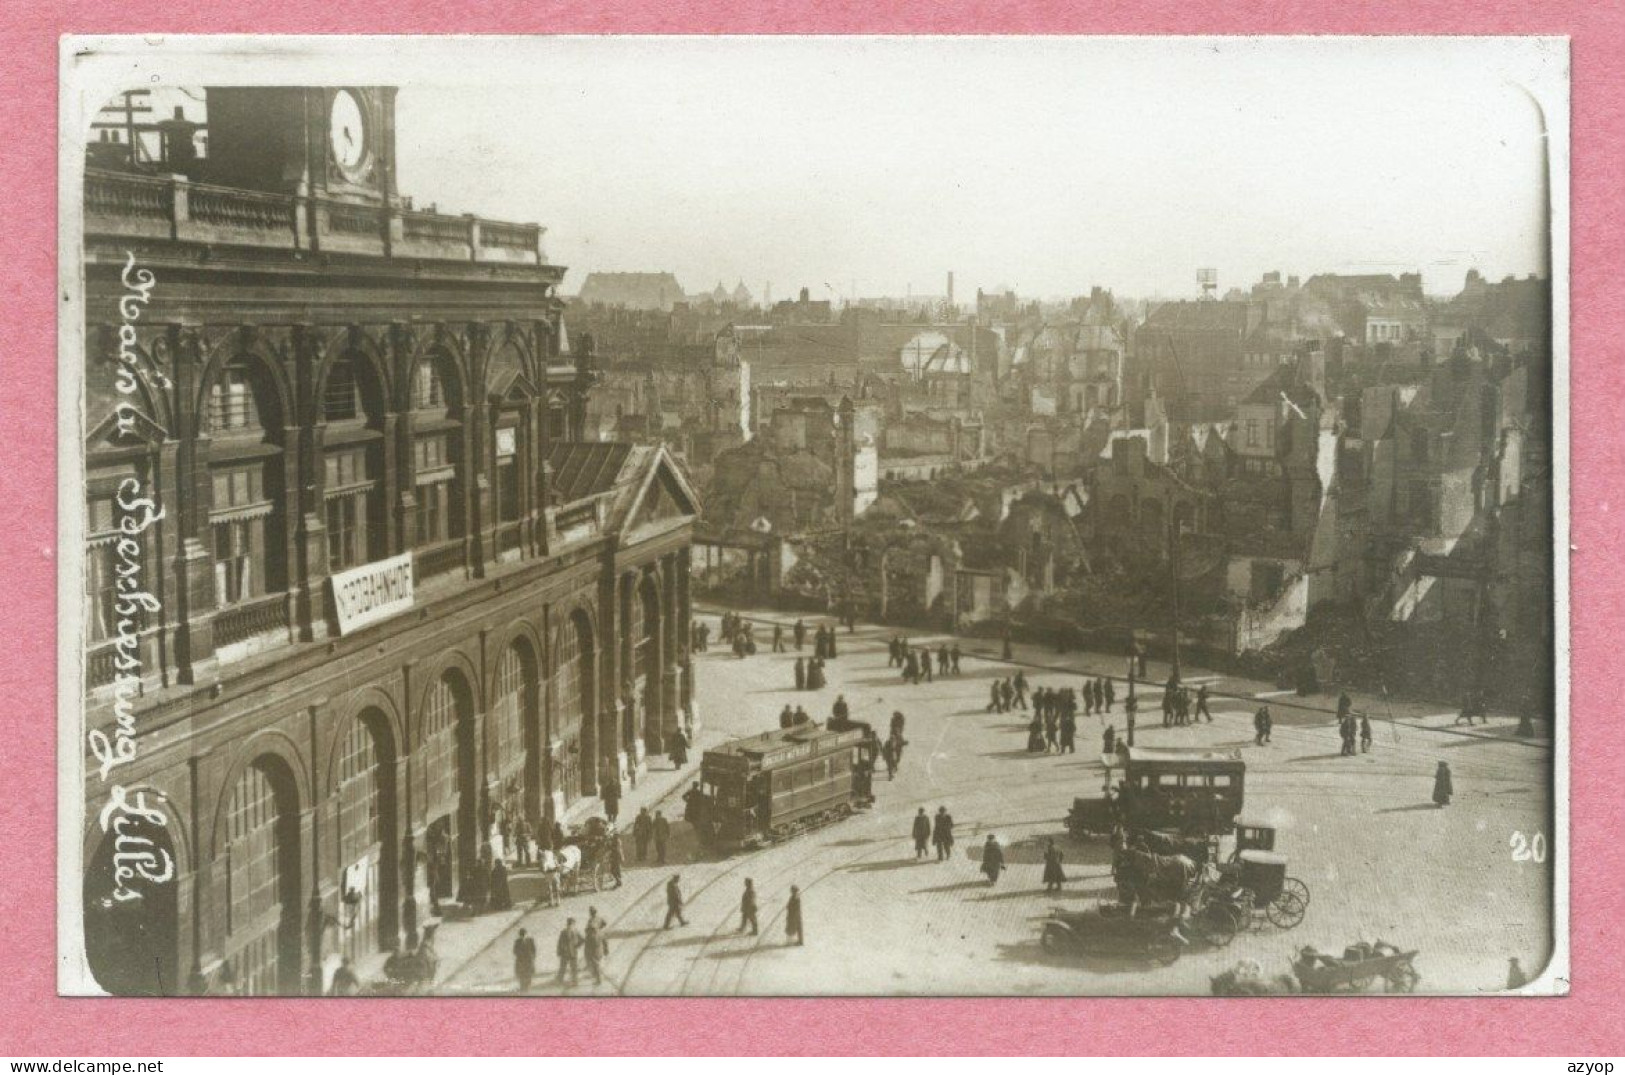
356 587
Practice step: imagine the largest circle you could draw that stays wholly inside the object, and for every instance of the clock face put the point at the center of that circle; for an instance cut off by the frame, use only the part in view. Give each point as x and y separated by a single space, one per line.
347 130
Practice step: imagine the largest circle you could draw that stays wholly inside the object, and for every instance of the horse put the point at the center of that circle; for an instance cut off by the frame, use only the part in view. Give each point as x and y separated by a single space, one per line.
1147 877
1195 848
559 867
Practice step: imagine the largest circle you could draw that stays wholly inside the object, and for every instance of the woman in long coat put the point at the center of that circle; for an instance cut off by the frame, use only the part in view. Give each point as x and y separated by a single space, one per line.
992 860
678 749
1442 788
1053 877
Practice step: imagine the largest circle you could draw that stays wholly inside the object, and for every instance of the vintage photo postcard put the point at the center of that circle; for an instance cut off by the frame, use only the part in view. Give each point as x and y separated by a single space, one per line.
905 516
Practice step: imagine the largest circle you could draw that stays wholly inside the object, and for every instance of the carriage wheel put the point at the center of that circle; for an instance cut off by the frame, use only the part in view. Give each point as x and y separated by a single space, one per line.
1163 951
1219 924
1298 889
1286 910
1401 979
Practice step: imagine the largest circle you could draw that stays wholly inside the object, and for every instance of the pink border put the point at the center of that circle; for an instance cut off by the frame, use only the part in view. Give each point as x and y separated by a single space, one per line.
37 1022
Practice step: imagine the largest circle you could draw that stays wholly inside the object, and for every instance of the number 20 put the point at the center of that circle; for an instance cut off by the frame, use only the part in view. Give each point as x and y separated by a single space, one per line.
1530 849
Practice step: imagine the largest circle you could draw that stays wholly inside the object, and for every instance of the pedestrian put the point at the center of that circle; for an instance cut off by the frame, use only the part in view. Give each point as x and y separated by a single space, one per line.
1069 732
1088 699
1035 736
953 656
800 633
800 717
1052 728
888 754
1201 704
642 829
1019 686
524 960
942 833
662 833
674 902
1108 740
609 789
992 859
1168 701
993 705
942 660
925 665
1442 786
922 833
1111 695
787 716
1344 704
829 644
678 750
1365 733
1261 725
569 946
521 839
747 908
346 984
615 863
911 668
1053 877
1007 696
500 899
792 918
801 675
778 638
596 947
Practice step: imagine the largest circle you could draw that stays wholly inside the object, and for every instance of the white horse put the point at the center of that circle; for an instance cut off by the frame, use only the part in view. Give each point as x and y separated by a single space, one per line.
559 868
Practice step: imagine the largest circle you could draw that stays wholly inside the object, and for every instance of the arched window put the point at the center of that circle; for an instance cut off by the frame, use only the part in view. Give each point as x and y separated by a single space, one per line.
435 451
361 835
353 501
261 885
439 748
512 708
573 672
245 513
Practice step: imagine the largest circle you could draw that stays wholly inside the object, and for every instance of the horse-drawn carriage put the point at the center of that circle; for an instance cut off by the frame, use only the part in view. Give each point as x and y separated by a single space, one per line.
583 863
1255 880
1189 791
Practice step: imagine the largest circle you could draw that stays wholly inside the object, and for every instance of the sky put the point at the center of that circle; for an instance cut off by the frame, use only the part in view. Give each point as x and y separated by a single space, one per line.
1046 165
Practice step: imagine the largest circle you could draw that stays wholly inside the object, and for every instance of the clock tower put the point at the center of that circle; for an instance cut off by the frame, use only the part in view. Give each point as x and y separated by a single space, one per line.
331 142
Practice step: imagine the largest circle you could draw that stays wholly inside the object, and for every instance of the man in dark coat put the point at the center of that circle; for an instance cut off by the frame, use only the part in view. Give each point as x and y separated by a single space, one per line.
678 750
610 791
662 833
922 833
1069 732
524 960
801 675
995 704
500 900
1443 787
942 833
1365 734
787 716
953 655
829 644
642 831
894 655
1108 740
346 984
595 947
1111 695
674 902
1262 725
1201 704
1053 877
942 660
1019 685
800 633
569 947
992 859
792 917
747 908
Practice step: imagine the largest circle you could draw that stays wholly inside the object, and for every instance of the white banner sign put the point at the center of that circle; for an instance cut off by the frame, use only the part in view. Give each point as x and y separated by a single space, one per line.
372 592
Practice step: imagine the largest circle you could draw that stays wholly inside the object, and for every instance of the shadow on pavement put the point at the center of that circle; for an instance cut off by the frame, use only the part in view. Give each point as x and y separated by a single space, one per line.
889 864
1408 809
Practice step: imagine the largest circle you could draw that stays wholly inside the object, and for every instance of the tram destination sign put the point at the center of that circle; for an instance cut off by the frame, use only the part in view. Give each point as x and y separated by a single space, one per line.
372 592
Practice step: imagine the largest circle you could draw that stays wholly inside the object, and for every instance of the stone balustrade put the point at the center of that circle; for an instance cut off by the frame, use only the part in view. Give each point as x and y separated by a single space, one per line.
171 206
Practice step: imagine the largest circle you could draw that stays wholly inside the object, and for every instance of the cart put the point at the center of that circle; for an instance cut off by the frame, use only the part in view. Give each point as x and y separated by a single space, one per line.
1360 966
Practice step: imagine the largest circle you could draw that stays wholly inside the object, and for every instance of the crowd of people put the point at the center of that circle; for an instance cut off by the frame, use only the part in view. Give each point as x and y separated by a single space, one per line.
916 661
